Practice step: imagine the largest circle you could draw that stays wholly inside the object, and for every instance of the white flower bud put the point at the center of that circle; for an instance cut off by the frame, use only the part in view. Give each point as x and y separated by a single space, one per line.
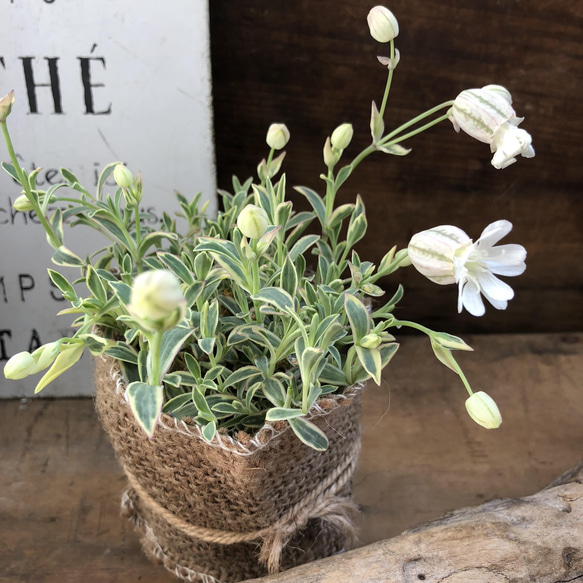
342 136
22 204
19 366
277 136
483 410
253 221
123 176
157 300
45 355
432 252
330 157
382 24
6 106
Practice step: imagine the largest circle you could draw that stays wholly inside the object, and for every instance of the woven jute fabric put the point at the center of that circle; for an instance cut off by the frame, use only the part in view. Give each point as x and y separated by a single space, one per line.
234 509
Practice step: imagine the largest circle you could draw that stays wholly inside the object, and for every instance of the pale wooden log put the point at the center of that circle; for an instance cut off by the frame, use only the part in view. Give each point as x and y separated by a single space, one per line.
538 539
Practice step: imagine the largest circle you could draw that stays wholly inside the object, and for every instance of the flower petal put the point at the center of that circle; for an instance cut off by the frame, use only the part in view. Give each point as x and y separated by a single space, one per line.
470 298
506 260
493 233
494 288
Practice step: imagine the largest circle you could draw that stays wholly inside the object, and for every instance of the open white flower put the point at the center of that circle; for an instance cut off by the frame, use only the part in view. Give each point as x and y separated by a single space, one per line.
445 255
487 115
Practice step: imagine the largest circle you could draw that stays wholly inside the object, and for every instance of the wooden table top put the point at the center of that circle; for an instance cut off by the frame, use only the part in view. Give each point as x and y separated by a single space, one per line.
422 456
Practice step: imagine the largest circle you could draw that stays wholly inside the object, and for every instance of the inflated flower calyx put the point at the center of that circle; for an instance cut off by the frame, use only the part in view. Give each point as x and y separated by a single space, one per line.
445 255
382 24
487 115
6 106
483 410
157 301
277 136
253 221
19 366
25 364
22 204
342 136
123 176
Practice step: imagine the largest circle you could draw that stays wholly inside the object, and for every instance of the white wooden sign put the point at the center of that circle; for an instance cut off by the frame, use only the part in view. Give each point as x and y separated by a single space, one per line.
96 81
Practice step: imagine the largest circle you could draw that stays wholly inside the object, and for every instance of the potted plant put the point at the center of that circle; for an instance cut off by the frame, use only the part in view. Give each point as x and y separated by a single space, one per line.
231 351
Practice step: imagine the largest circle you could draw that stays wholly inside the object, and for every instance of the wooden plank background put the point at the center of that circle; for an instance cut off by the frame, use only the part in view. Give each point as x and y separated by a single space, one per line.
313 66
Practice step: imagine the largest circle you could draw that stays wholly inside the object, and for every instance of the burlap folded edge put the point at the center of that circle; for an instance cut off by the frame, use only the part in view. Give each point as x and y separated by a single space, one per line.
224 441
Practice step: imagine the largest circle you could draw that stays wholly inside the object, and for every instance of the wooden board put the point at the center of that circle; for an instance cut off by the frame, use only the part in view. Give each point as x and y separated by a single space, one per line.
422 456
313 66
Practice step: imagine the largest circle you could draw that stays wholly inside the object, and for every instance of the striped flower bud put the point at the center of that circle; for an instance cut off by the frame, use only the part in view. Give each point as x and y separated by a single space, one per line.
19 366
22 204
123 176
277 136
483 410
157 301
342 136
432 252
6 106
382 24
488 116
253 221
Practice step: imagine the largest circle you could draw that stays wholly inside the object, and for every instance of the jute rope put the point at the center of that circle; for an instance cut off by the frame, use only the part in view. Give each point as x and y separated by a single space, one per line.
322 502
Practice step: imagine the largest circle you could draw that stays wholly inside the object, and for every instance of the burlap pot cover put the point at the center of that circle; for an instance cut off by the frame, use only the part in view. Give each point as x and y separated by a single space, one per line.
234 509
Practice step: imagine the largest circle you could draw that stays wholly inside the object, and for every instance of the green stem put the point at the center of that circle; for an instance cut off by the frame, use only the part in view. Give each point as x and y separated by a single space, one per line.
155 342
55 243
387 142
429 333
389 80
417 119
138 238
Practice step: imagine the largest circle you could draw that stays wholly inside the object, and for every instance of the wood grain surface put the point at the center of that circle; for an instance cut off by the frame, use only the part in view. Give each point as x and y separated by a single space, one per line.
60 484
313 66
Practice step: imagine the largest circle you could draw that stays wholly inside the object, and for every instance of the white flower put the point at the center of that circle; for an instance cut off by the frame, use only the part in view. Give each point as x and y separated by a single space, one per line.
447 255
382 24
483 410
487 115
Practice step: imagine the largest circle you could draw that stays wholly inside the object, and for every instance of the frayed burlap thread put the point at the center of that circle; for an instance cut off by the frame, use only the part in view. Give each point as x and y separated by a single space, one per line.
220 512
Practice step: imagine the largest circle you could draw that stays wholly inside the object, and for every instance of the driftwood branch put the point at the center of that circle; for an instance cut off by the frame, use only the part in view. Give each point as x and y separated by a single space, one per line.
536 539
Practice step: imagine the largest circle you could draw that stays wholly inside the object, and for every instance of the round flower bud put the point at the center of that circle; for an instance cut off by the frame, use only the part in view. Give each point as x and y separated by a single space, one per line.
370 340
382 24
253 221
22 204
19 366
483 410
123 176
432 252
6 106
157 300
342 136
277 136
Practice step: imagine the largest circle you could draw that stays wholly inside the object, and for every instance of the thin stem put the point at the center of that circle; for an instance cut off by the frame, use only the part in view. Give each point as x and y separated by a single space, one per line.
55 243
389 80
430 333
417 119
